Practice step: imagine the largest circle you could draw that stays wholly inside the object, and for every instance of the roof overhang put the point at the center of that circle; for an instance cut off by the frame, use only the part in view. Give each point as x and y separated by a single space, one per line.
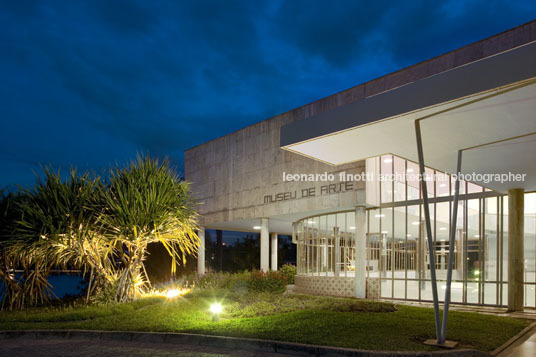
486 108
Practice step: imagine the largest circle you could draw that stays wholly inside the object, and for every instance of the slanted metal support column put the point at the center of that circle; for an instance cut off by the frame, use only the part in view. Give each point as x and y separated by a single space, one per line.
431 250
452 238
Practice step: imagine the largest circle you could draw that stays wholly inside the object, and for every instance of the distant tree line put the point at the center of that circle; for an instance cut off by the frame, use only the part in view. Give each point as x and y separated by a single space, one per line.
244 253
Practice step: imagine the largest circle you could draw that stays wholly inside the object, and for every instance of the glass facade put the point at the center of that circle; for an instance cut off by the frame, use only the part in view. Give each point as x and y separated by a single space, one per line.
326 245
397 251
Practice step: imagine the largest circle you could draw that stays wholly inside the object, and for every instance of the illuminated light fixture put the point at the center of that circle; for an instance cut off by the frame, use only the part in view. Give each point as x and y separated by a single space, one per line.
216 310
173 293
385 232
477 272
311 222
379 215
408 235
351 227
388 161
442 229
257 227
415 223
477 236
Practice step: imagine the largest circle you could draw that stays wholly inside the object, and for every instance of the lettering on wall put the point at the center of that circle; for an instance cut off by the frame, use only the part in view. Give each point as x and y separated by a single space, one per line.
310 192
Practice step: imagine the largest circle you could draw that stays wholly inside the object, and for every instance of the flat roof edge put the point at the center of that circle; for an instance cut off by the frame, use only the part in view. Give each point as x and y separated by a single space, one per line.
519 35
515 65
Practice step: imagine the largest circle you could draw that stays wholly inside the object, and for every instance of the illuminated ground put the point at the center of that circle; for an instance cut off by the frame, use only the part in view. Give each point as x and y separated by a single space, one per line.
293 318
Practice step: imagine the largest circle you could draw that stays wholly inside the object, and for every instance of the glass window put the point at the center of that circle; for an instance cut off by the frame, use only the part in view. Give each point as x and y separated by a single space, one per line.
415 245
473 255
386 183
397 248
373 243
442 243
442 184
430 182
386 242
530 248
472 188
505 241
412 179
490 239
399 179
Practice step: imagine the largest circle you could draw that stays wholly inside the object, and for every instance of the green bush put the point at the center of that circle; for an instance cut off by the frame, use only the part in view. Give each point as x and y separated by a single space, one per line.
255 281
271 281
264 303
289 271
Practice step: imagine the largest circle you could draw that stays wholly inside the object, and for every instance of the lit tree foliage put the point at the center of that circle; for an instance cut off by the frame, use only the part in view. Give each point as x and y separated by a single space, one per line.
102 229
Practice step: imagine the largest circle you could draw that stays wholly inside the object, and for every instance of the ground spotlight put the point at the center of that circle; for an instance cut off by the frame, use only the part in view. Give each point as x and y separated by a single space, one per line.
216 309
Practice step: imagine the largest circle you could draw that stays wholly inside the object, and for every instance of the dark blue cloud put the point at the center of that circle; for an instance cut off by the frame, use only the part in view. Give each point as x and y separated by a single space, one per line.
93 83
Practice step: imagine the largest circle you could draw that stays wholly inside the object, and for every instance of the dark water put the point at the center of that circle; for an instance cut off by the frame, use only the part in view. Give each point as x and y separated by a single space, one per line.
66 284
63 284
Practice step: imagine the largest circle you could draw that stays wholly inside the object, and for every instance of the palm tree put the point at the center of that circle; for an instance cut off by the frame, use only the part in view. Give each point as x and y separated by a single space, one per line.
101 229
54 225
147 202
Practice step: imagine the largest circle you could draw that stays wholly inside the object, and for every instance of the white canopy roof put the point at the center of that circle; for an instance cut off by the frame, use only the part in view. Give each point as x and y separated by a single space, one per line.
486 108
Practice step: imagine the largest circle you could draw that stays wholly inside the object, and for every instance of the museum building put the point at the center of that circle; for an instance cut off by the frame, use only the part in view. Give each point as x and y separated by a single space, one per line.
342 176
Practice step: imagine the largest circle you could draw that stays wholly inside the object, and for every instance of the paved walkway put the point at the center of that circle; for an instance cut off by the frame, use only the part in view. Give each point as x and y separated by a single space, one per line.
24 347
524 347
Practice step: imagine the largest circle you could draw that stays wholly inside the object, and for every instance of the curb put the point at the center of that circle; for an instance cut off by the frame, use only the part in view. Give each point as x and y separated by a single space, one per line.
232 343
514 339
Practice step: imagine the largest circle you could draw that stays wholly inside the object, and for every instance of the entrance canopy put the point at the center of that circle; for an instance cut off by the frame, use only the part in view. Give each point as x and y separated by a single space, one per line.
486 108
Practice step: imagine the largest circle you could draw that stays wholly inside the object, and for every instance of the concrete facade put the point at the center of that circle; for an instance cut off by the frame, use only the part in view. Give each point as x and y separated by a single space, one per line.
240 179
233 174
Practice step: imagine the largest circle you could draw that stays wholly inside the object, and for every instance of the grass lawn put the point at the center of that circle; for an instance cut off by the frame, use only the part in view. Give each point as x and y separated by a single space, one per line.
293 318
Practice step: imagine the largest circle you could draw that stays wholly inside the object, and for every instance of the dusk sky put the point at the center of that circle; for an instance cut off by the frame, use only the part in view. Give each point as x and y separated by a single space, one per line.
93 83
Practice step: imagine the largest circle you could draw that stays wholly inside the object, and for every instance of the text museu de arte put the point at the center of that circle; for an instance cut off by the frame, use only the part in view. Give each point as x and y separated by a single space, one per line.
310 192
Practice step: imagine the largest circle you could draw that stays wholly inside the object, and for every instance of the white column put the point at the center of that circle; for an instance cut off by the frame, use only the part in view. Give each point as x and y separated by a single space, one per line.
265 245
201 253
273 251
360 252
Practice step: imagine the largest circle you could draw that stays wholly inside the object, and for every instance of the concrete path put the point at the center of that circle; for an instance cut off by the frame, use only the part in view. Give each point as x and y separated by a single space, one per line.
524 347
24 347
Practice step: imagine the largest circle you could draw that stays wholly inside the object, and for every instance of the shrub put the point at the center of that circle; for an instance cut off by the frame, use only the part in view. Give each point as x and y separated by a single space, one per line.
271 281
255 281
289 271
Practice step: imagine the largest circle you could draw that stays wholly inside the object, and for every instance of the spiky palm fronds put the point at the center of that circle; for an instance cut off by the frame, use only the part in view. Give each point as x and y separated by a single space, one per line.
103 230
146 202
54 225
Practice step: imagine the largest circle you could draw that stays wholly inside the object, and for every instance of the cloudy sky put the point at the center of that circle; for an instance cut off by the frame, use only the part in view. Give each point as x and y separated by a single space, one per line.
93 83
